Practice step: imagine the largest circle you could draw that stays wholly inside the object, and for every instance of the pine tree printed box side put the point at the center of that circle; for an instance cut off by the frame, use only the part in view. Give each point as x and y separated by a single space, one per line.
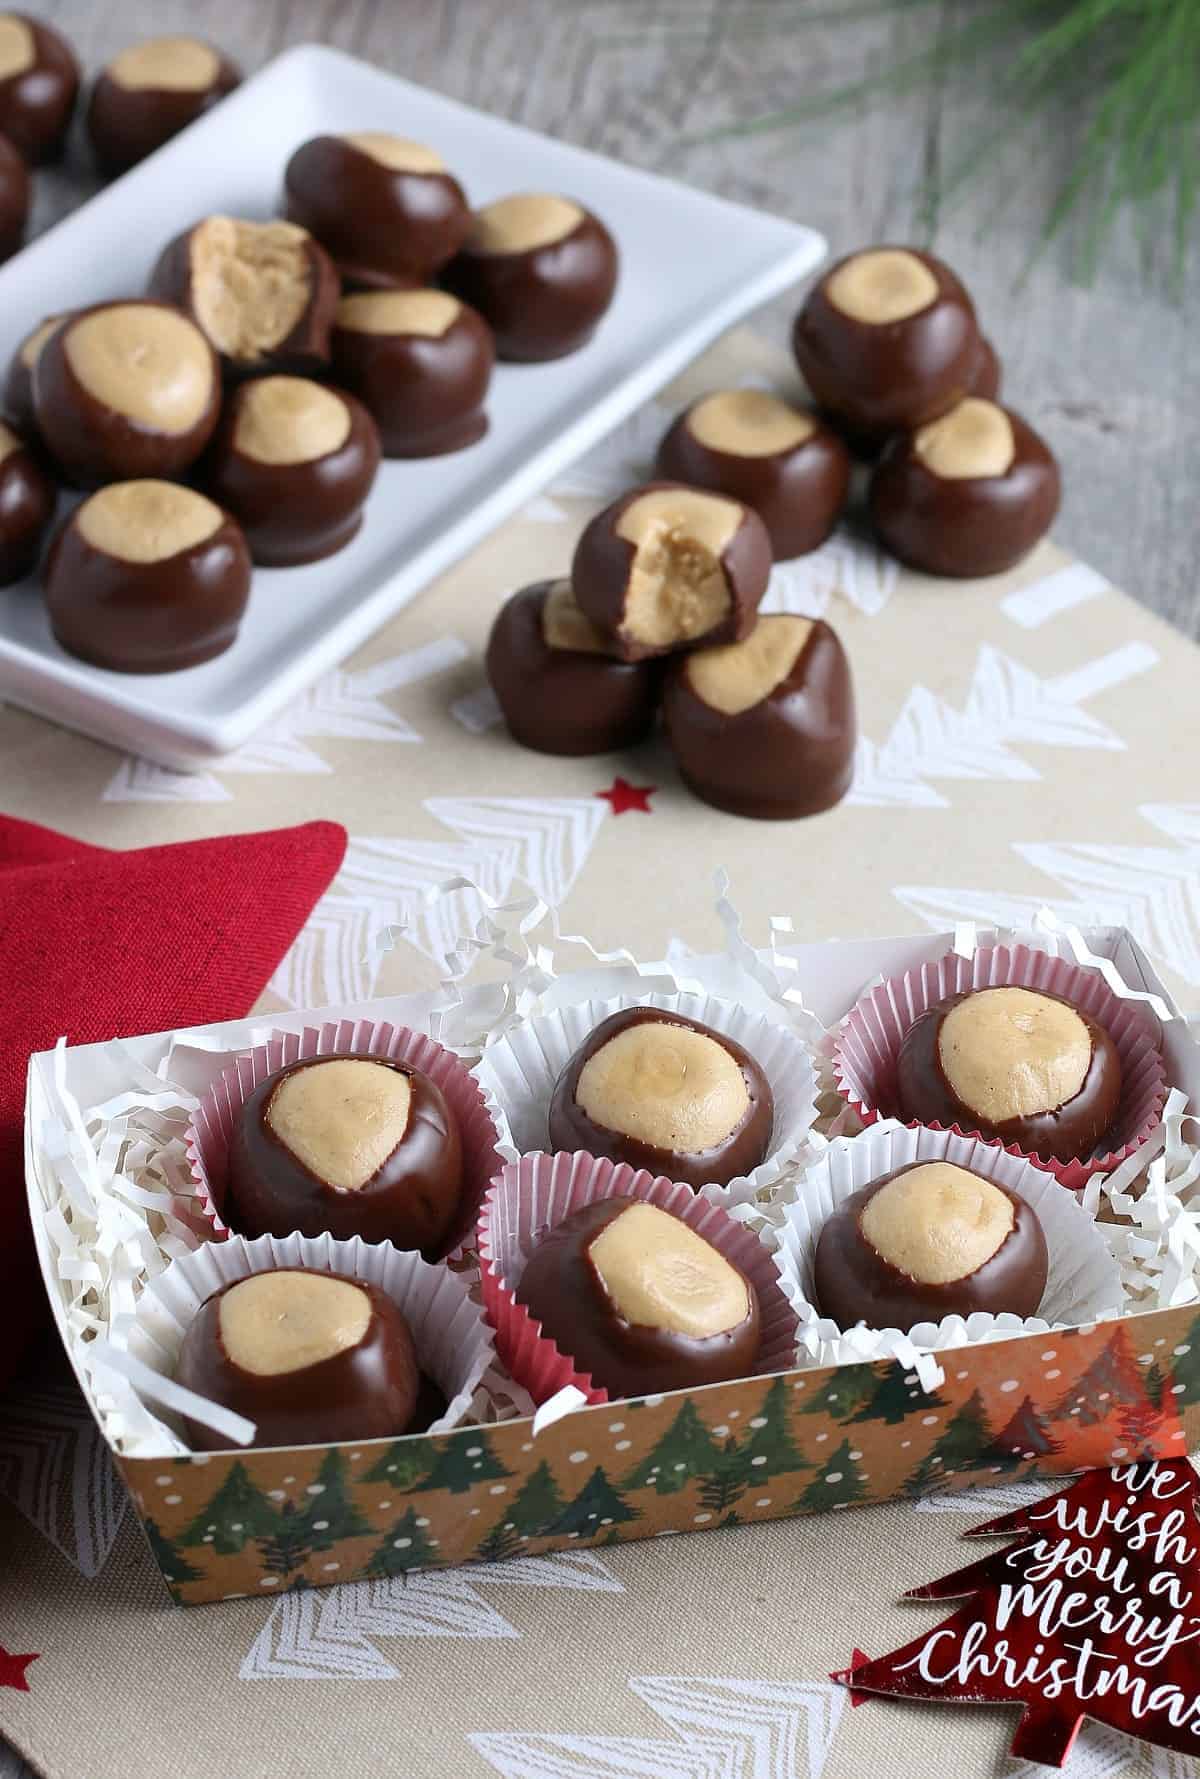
258 1522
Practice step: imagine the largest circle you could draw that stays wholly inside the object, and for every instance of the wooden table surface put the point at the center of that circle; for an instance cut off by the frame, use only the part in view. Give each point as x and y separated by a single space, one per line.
1110 373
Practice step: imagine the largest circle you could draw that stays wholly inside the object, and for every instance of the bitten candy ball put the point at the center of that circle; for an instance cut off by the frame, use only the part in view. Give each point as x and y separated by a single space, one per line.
387 209
666 1093
310 1357
147 577
886 340
765 727
421 361
126 390
262 293
352 1145
667 567
39 84
927 1241
14 199
293 462
541 270
776 458
561 688
150 92
641 1302
27 501
1012 1063
968 494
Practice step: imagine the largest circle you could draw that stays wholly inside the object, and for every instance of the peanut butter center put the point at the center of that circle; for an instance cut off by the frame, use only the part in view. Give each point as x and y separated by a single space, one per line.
144 361
738 675
1009 1052
881 285
658 1273
31 346
17 51
664 1084
147 521
749 423
341 1119
276 1322
289 420
167 64
974 439
677 586
251 282
9 442
396 153
429 313
523 222
937 1223
565 627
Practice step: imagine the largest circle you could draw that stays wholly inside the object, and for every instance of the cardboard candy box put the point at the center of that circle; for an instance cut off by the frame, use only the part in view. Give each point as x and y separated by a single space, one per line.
105 1150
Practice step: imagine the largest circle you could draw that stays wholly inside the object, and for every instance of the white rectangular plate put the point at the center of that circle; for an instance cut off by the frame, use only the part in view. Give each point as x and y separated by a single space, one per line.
690 266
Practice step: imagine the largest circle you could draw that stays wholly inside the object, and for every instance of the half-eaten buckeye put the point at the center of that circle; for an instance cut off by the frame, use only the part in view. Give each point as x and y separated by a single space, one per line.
667 567
352 1145
927 1241
1013 1063
641 1302
666 1093
310 1357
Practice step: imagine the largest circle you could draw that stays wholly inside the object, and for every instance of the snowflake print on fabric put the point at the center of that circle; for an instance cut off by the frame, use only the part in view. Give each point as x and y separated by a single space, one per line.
56 1469
845 567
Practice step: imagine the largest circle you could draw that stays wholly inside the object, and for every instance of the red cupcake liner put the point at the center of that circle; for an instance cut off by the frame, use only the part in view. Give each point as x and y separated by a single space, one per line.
868 1041
532 1195
211 1129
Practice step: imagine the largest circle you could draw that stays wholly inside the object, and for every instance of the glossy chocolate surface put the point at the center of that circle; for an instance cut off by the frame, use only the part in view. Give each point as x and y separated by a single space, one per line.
384 227
737 1154
426 392
92 442
798 493
14 199
856 1284
988 372
27 501
368 1391
147 617
18 388
125 124
1068 1132
36 102
304 349
790 755
963 527
565 701
562 1290
294 512
875 378
604 560
543 302
410 1201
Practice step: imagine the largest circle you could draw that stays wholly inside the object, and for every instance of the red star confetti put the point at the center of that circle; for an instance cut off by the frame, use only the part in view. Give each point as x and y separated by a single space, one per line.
12 1669
625 796
845 1676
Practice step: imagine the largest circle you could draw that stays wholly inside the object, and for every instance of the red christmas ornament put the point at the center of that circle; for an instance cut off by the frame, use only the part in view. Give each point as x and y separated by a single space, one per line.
624 796
12 1670
1094 1613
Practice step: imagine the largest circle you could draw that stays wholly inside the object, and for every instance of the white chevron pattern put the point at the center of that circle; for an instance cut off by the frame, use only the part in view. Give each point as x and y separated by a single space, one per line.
56 1469
721 1729
985 1504
553 836
844 566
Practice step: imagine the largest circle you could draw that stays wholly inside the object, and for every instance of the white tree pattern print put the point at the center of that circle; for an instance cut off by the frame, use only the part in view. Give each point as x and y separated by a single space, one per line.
56 1469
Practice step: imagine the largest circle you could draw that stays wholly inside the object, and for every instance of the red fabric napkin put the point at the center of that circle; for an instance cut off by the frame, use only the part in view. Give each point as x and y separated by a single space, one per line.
97 944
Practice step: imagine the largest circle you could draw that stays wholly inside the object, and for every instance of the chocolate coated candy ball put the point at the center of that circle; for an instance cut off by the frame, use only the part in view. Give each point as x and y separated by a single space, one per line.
541 270
310 1357
778 459
150 92
39 84
27 501
1012 1063
14 199
560 687
352 1145
986 381
886 340
639 1301
765 727
147 577
262 293
665 1093
126 390
421 362
927 1241
968 494
18 382
293 462
386 208
668 567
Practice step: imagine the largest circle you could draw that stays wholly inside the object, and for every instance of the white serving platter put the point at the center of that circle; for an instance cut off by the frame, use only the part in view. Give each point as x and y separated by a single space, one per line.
691 265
